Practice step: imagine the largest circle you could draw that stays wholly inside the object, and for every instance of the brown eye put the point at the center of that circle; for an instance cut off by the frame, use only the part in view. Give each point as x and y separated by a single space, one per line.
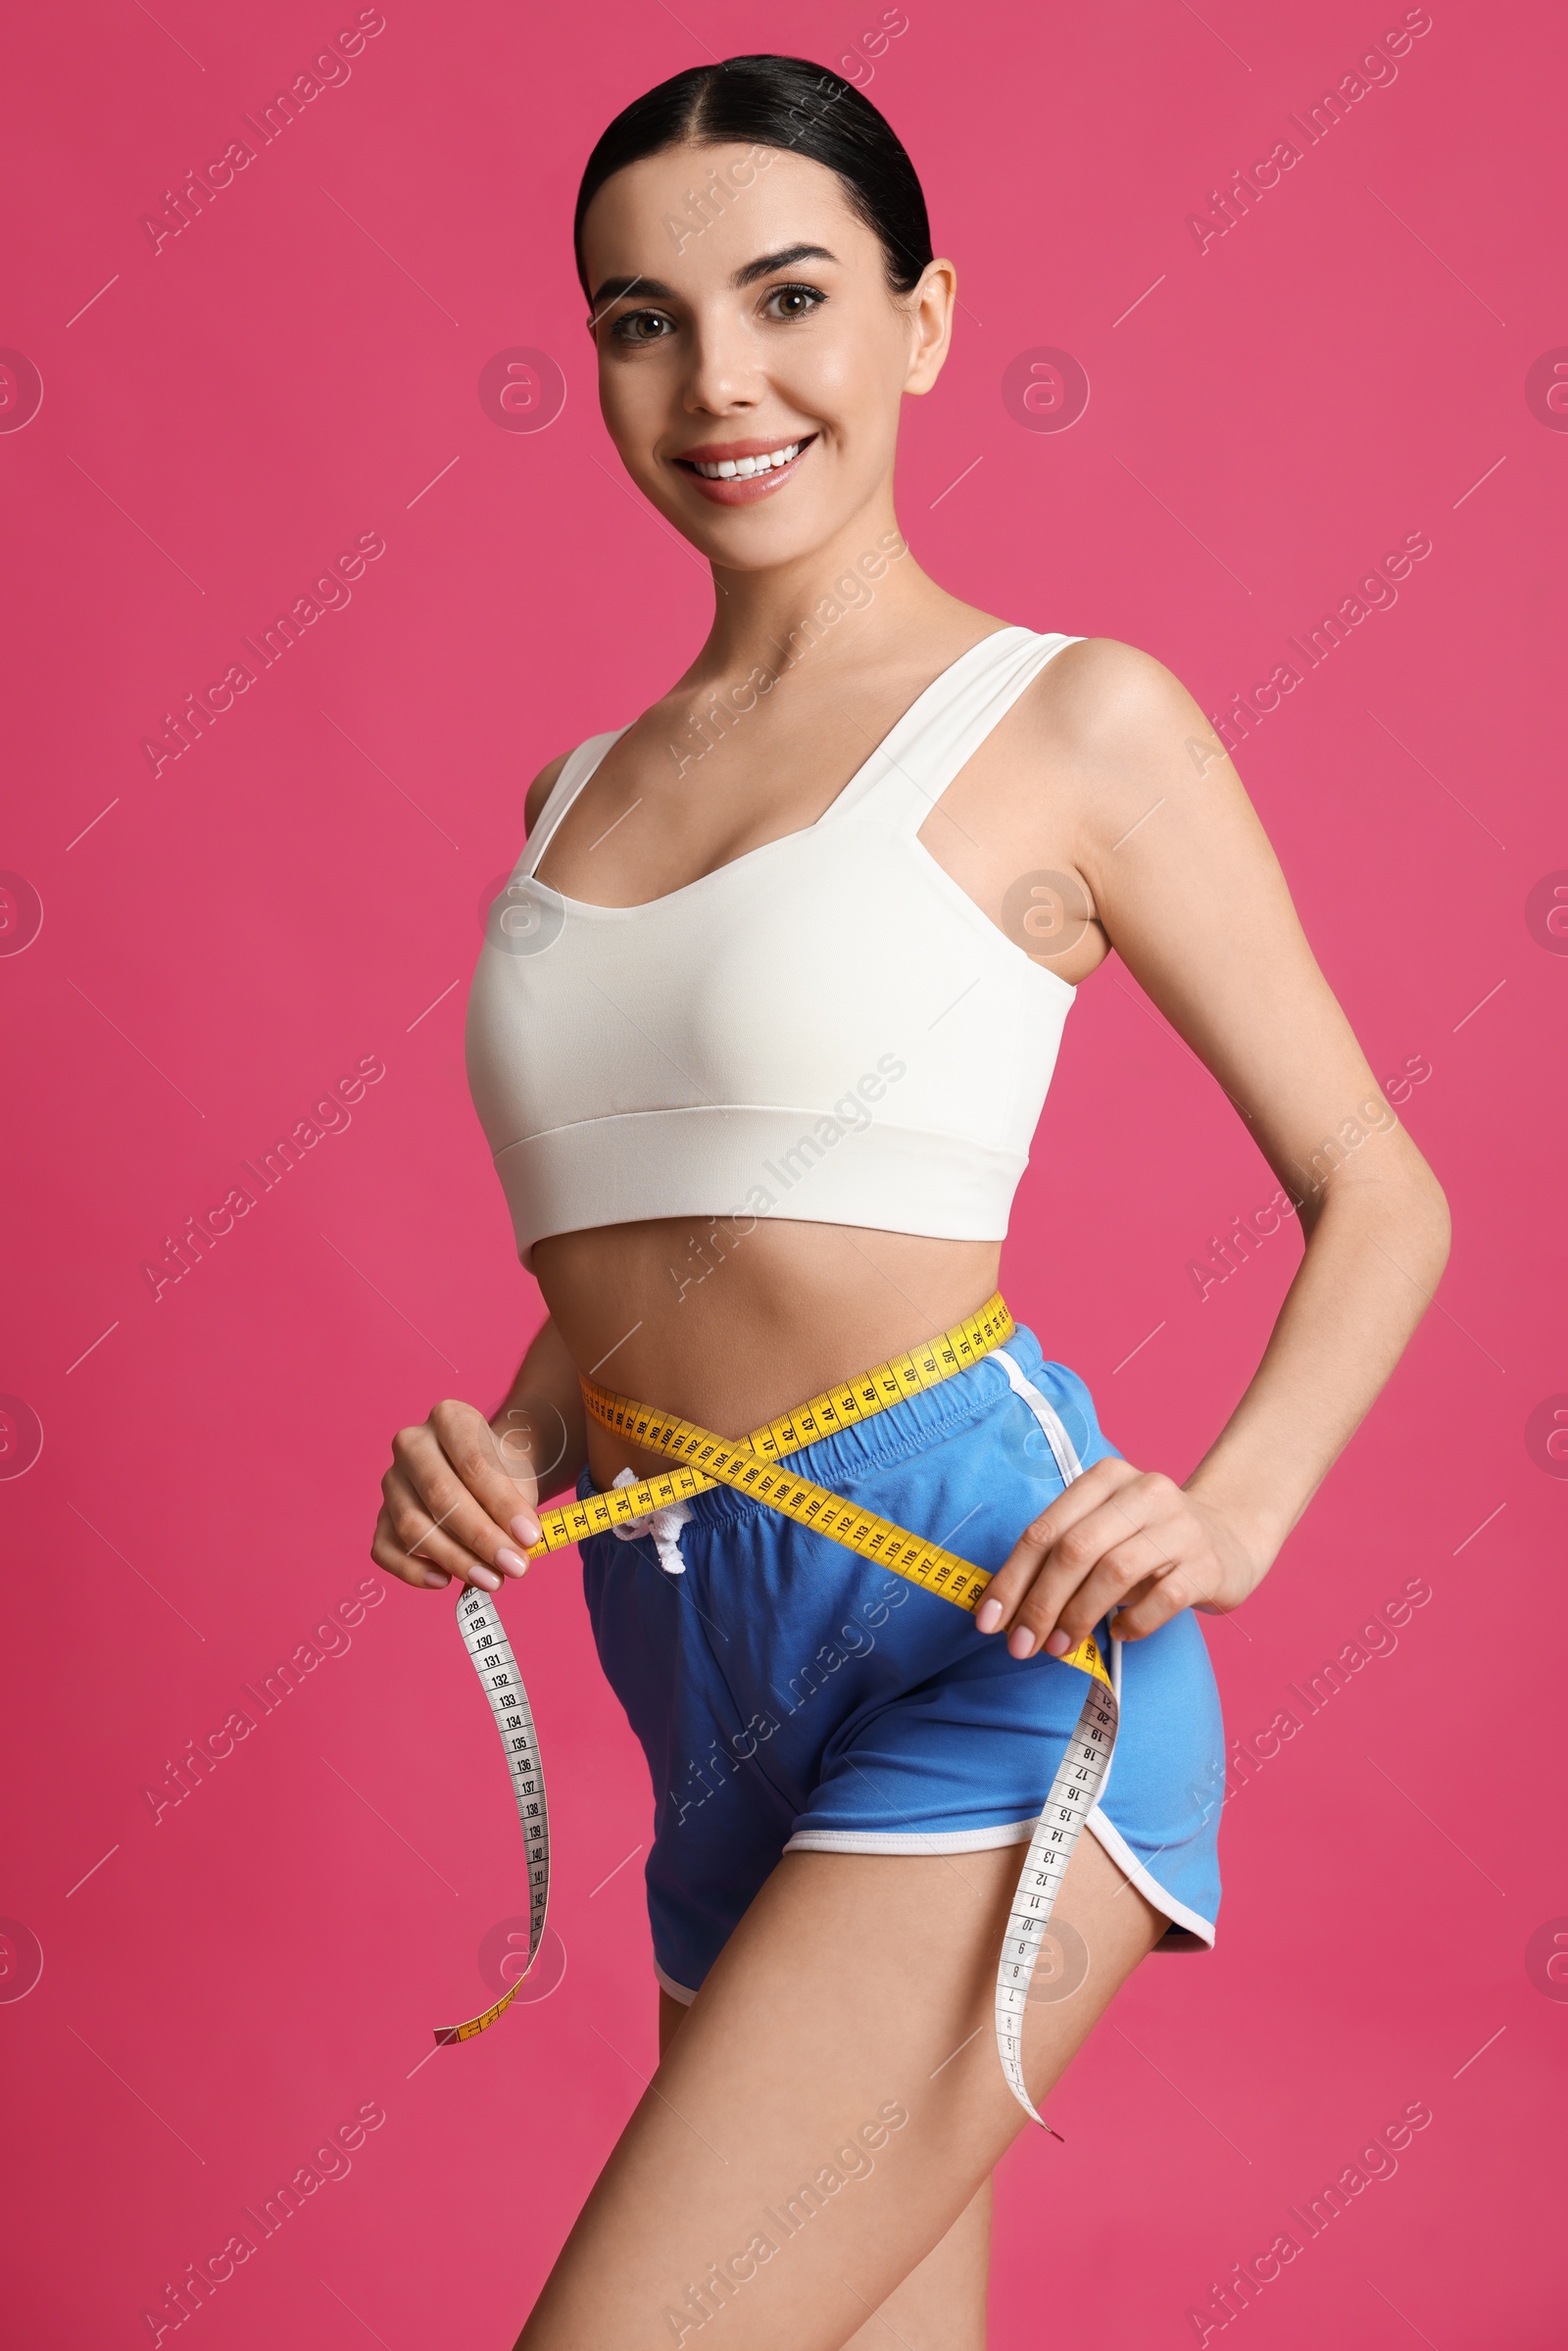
640 326
795 302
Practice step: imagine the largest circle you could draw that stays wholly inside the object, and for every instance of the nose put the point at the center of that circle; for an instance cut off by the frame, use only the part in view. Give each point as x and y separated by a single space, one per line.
726 373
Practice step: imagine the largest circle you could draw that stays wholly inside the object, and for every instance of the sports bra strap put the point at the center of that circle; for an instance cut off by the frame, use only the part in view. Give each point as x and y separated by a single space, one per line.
577 769
918 760
911 767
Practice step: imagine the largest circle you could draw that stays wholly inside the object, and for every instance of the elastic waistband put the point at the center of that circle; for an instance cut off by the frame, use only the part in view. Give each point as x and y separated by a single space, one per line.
899 1434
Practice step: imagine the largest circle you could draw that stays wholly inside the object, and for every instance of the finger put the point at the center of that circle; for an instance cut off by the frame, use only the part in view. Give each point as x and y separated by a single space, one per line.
1070 1509
1114 1577
421 1537
393 1559
1142 1525
1073 1591
1140 1592
503 1469
1124 1508
421 1459
1155 1605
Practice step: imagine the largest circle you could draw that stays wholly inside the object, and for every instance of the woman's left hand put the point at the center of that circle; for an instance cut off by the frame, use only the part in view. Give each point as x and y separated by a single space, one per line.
1118 1539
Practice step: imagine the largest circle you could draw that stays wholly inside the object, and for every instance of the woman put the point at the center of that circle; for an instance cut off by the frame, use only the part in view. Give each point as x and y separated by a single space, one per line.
760 1043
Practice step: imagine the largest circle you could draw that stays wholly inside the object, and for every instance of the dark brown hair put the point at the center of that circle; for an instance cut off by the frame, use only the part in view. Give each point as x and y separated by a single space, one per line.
782 101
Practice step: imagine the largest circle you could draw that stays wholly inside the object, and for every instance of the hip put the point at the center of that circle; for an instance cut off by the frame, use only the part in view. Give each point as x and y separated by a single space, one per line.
761 1604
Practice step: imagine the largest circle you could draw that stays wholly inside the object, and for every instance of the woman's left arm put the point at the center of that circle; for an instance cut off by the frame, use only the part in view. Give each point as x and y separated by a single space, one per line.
1192 896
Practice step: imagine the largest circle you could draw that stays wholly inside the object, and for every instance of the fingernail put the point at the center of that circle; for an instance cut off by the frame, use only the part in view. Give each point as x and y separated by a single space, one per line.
435 1576
1020 1640
988 1615
485 1580
1058 1643
509 1560
525 1527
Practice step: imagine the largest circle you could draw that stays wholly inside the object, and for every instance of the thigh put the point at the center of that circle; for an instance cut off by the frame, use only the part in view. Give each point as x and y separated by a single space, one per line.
941 2304
831 2104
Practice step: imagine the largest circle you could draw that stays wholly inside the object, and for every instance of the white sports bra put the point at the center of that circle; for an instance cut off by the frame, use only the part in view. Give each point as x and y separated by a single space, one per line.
826 1029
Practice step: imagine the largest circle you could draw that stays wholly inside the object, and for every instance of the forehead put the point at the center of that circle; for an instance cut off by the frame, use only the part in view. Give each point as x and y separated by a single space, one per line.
692 215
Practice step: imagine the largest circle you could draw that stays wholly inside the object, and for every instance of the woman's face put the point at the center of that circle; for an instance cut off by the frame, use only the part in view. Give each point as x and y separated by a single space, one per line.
741 309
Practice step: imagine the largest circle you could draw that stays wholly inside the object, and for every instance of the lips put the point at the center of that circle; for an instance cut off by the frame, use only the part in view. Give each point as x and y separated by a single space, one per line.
739 472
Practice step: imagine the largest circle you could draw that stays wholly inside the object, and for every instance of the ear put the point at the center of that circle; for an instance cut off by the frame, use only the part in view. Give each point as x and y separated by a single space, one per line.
930 314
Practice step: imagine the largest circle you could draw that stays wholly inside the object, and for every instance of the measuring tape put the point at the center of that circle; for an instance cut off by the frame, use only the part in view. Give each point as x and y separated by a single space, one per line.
1074 1793
485 1639
751 1465
744 1462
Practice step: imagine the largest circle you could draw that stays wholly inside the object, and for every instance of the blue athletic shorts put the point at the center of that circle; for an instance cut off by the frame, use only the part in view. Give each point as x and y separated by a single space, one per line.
789 1695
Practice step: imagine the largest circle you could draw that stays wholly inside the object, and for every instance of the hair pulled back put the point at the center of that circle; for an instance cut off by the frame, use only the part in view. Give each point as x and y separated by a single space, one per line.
783 102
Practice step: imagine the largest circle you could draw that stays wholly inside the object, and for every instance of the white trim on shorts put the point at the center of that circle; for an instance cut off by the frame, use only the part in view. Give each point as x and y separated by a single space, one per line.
676 1992
940 1841
1014 1832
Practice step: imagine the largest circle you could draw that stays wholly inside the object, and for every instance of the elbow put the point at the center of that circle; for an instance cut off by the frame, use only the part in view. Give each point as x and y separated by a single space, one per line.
1442 1222
1424 1224
1404 1211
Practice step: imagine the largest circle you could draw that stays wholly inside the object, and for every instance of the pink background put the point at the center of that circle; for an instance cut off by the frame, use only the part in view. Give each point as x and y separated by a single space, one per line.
1267 417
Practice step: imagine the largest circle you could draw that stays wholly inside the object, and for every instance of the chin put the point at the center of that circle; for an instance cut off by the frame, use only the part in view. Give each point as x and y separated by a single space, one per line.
754 545
745 538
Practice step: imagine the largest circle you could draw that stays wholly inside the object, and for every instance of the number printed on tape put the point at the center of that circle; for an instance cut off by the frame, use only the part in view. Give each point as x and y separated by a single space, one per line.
486 1642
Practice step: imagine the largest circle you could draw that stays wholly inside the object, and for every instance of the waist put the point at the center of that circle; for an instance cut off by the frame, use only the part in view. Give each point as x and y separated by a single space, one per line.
730 1321
848 1461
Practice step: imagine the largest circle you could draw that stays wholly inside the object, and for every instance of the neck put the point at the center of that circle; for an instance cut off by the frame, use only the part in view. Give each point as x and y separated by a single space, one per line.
842 602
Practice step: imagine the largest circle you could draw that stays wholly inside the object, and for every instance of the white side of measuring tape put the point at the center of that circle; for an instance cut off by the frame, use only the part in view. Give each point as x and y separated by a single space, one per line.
1074 1793
485 1639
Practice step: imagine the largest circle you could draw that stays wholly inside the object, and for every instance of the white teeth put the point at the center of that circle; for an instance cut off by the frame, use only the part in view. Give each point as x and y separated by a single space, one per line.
729 469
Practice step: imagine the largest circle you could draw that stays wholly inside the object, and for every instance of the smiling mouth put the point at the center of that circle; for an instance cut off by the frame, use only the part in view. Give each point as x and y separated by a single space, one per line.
745 470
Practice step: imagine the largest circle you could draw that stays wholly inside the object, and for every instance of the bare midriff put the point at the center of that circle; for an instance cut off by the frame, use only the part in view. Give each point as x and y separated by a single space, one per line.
730 1321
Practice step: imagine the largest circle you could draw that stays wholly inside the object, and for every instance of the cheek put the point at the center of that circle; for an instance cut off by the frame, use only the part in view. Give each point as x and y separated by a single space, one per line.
853 392
844 367
635 404
853 373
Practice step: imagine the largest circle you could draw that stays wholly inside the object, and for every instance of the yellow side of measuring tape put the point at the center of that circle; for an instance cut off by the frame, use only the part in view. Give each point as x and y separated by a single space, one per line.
751 1465
745 1463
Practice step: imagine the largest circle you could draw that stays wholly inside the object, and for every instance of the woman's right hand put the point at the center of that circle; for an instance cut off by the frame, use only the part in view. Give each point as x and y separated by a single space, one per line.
455 1504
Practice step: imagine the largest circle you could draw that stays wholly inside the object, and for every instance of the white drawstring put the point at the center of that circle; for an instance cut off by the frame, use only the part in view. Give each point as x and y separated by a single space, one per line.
664 1526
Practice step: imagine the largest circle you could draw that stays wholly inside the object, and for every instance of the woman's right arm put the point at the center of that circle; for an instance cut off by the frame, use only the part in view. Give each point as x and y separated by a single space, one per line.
462 1492
460 1496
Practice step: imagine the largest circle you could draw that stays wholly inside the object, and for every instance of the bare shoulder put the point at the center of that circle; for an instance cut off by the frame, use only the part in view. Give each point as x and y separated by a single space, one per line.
539 791
1112 730
1100 697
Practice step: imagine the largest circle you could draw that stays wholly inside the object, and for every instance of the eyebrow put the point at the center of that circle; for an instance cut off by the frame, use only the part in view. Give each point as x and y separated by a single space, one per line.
616 289
785 259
